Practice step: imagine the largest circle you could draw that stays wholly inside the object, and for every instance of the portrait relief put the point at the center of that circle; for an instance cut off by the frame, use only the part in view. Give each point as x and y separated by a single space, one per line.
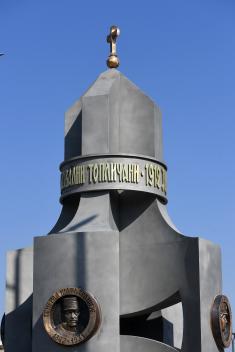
71 316
221 321
225 319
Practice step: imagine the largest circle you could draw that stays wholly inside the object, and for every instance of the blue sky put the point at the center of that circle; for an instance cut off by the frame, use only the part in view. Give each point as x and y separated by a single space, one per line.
181 53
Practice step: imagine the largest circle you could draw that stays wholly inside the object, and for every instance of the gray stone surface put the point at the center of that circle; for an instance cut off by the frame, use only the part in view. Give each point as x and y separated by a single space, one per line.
174 315
159 267
89 260
210 286
19 278
113 116
119 245
139 344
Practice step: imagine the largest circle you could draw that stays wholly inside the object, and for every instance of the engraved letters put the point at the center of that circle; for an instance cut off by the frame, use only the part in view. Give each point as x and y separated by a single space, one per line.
137 174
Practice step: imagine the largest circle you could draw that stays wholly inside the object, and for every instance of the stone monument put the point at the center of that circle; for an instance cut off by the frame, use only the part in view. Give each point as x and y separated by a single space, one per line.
114 274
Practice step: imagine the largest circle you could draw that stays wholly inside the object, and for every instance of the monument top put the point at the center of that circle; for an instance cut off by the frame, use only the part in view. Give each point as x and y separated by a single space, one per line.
101 120
98 138
100 152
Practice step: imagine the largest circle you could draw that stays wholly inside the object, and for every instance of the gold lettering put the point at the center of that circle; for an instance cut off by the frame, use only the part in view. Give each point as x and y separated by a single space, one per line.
89 168
146 174
155 175
137 174
82 174
118 167
164 180
78 175
151 175
73 176
113 175
124 173
70 177
131 173
95 173
106 173
101 172
158 177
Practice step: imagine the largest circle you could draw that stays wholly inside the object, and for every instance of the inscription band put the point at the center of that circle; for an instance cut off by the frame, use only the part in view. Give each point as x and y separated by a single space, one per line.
110 172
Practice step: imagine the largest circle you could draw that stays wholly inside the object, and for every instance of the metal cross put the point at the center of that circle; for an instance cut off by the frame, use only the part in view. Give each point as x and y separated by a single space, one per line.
113 60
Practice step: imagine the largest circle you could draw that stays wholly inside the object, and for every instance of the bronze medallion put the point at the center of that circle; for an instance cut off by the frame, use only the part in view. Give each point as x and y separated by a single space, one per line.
71 316
221 321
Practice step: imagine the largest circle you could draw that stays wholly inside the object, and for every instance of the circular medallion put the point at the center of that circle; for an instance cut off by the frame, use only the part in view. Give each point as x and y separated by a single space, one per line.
71 316
221 321
2 331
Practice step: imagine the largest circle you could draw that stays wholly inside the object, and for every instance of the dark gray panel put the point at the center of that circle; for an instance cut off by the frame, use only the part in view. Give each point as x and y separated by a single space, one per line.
95 124
18 328
86 260
73 131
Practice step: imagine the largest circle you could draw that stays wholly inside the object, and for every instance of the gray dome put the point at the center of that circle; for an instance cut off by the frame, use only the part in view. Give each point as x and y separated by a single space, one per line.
113 116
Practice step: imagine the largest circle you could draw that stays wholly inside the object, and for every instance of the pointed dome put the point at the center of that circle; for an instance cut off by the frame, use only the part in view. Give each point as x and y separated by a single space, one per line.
112 117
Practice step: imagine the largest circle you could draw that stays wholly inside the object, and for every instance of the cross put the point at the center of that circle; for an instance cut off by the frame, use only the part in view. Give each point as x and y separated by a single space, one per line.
113 60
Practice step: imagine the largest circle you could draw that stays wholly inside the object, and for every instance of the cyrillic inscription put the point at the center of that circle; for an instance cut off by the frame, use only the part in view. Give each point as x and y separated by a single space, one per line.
110 172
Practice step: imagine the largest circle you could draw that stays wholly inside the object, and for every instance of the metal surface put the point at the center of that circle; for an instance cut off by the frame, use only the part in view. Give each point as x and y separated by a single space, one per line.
221 321
113 60
119 172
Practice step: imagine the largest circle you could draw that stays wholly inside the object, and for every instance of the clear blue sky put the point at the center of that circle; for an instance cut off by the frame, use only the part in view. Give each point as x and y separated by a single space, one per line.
181 53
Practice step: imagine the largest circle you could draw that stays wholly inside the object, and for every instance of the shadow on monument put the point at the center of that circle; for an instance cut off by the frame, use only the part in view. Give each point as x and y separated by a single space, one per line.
66 216
156 323
133 204
158 328
73 138
15 334
82 223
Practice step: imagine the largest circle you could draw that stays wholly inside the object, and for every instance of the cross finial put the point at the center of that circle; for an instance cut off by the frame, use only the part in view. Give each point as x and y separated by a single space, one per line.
113 60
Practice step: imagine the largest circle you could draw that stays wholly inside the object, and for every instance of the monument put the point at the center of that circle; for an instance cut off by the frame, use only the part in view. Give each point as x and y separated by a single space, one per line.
114 273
